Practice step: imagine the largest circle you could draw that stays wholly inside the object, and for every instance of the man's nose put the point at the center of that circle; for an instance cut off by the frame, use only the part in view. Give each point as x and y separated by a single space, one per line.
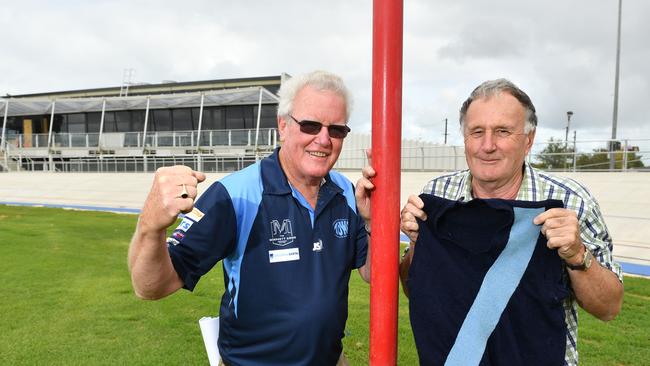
323 137
488 142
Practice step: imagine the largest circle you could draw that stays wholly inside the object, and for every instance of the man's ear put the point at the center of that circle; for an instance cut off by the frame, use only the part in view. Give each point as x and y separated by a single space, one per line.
282 127
530 140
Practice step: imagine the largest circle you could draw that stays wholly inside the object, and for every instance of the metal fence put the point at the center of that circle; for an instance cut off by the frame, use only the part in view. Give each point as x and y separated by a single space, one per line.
592 155
138 164
116 140
588 155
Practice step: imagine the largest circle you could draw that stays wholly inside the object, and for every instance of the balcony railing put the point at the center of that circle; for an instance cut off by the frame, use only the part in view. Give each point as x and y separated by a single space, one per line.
134 164
267 137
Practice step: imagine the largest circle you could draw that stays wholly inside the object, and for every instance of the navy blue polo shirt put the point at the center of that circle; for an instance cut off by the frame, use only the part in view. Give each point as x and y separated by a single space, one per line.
286 265
484 287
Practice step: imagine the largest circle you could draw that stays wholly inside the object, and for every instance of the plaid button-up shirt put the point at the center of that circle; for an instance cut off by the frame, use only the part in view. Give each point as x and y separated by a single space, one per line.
539 186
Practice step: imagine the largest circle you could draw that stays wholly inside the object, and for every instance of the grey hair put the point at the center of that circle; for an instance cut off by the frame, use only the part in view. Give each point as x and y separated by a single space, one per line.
319 80
491 88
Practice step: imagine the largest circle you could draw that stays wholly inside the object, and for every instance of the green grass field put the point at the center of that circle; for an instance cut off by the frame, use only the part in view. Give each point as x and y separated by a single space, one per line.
66 299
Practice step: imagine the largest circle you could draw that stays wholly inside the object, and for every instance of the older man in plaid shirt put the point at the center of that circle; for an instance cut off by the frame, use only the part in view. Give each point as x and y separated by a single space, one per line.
498 122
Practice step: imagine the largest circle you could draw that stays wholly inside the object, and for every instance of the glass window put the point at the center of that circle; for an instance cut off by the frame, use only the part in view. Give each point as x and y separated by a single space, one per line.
93 119
208 122
250 118
219 118
150 122
76 123
235 117
123 121
39 125
268 118
195 118
182 119
60 124
269 122
137 121
15 124
213 119
162 120
109 122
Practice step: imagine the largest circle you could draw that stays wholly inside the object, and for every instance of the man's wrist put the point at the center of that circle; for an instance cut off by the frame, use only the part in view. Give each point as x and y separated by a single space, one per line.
576 259
145 231
581 261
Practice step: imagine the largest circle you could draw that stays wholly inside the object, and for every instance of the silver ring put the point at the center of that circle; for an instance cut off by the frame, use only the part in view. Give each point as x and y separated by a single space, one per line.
184 193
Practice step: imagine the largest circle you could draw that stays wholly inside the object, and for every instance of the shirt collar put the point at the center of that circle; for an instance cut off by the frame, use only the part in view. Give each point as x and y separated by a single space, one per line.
276 182
527 190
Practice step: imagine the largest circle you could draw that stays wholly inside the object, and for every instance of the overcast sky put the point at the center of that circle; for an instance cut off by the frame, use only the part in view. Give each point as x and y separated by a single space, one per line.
562 53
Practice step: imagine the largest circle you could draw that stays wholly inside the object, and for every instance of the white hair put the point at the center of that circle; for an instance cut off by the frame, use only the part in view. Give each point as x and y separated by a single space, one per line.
495 87
319 80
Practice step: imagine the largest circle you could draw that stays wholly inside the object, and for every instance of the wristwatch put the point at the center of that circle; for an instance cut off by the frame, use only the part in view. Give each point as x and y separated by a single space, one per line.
585 264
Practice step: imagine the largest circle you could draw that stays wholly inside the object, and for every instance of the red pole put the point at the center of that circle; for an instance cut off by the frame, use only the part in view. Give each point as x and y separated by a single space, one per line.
386 152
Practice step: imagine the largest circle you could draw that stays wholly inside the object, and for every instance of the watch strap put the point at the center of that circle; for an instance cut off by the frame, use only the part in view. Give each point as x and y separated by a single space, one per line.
584 265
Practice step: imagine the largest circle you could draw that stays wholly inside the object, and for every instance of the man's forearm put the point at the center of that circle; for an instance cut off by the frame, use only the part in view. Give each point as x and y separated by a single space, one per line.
152 273
404 266
598 291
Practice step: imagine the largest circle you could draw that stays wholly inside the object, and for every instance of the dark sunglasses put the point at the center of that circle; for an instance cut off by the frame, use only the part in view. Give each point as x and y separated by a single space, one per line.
313 128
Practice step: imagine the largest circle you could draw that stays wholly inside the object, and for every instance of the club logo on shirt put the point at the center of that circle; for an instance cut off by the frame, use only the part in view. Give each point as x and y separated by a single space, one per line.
185 224
172 241
318 246
195 215
341 228
281 233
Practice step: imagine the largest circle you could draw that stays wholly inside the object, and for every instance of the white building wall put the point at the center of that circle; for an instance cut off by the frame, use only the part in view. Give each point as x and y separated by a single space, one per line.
416 155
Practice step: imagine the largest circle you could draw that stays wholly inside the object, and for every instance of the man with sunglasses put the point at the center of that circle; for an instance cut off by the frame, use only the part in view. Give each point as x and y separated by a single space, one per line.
288 230
460 241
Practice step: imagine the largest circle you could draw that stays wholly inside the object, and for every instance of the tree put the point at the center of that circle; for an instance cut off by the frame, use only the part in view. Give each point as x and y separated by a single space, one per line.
556 155
599 159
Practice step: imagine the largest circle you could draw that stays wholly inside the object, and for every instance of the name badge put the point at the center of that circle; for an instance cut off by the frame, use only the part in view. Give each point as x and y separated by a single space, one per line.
284 255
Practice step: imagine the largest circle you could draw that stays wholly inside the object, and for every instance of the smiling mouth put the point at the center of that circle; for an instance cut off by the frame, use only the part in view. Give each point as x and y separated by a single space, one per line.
318 154
489 160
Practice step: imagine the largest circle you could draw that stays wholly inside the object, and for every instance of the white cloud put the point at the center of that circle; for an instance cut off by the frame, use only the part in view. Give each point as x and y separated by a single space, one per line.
562 53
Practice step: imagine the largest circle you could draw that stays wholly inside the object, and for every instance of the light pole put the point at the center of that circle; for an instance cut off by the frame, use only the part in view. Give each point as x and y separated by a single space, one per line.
568 123
566 138
575 151
612 157
446 131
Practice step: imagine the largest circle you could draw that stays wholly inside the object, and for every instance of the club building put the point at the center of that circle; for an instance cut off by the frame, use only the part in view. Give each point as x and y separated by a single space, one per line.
213 125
